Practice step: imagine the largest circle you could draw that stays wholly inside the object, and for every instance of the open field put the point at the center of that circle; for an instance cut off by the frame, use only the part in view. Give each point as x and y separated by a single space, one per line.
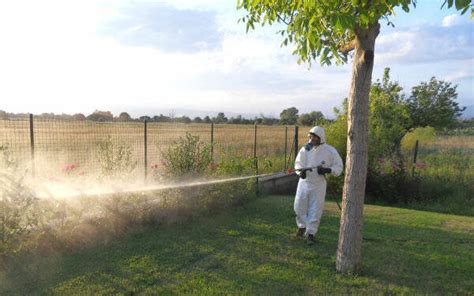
447 174
251 251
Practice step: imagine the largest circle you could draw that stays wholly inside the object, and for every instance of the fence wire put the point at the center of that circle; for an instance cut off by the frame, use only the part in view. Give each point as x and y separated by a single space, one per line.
48 146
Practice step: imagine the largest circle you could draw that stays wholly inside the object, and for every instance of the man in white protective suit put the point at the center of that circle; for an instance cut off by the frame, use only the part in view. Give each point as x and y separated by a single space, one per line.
314 161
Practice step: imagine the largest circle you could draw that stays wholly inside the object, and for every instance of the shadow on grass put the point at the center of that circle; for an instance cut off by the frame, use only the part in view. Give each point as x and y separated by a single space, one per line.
251 251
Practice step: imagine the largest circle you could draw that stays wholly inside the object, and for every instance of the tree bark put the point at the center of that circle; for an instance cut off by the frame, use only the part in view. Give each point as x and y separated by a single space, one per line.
349 251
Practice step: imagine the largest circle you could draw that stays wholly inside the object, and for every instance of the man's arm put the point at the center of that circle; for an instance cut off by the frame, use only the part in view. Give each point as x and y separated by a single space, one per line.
300 163
336 164
300 160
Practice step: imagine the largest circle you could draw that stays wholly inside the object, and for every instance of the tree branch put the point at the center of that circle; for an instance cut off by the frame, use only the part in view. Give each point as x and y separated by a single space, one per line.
283 20
347 47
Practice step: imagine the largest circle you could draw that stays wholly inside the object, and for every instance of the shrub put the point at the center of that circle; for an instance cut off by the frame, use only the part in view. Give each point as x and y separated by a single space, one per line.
18 212
115 159
187 156
336 132
389 182
6 160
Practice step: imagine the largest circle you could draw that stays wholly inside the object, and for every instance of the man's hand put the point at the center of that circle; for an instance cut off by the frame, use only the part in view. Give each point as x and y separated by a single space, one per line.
323 171
302 173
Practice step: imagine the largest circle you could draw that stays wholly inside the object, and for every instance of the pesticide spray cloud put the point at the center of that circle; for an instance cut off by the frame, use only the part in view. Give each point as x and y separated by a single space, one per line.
79 210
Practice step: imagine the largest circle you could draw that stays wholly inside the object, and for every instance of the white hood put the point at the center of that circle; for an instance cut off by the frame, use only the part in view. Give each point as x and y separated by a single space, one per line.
319 131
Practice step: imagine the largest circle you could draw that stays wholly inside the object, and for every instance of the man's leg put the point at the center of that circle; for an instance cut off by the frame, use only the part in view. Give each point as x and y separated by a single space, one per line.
301 208
315 209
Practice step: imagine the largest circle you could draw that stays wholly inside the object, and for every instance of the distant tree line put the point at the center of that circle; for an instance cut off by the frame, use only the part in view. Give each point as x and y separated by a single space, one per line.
288 116
431 103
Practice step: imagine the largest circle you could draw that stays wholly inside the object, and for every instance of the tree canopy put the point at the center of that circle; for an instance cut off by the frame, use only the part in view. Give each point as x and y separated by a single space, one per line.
326 29
289 116
323 29
433 104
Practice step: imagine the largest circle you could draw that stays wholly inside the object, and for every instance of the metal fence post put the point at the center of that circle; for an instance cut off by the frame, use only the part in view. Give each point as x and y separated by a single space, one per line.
415 154
145 150
286 147
255 149
212 141
255 158
296 141
32 146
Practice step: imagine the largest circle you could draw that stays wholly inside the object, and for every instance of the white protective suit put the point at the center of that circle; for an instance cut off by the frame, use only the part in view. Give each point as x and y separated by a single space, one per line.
311 192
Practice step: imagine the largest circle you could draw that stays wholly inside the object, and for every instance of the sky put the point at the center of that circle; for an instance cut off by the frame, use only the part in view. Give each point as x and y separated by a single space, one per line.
191 57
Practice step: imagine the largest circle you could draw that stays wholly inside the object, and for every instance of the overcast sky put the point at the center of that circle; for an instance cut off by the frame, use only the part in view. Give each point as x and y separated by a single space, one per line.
180 56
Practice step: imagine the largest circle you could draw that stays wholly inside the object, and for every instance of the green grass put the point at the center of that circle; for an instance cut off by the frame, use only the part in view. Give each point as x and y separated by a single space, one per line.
250 250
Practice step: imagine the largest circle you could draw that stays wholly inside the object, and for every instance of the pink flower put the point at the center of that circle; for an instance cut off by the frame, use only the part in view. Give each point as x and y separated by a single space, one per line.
395 165
68 168
421 165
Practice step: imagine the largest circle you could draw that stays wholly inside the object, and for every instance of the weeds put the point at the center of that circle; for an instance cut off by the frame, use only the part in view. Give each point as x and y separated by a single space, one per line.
6 160
187 156
115 159
19 213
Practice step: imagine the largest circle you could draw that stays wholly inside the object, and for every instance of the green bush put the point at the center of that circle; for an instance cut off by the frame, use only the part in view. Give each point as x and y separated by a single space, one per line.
6 160
230 164
188 156
115 159
18 212
336 134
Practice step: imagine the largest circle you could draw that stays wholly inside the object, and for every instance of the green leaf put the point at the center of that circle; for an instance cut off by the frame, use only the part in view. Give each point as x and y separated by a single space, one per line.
324 55
460 4
364 19
405 7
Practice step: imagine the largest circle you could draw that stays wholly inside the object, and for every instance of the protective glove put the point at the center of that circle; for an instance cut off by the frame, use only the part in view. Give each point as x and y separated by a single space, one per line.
323 171
302 173
308 146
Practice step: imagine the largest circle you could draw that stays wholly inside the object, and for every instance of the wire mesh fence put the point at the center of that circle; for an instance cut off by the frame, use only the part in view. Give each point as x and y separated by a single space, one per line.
48 146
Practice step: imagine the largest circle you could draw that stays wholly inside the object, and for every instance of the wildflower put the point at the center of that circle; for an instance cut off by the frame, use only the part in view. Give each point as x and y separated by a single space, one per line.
68 168
395 165
421 165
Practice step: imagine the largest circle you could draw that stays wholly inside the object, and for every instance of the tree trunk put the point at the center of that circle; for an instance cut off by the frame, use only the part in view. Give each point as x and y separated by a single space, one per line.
349 251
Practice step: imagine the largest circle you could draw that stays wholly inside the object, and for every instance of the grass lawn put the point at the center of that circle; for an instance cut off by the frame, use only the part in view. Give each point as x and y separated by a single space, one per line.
250 250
